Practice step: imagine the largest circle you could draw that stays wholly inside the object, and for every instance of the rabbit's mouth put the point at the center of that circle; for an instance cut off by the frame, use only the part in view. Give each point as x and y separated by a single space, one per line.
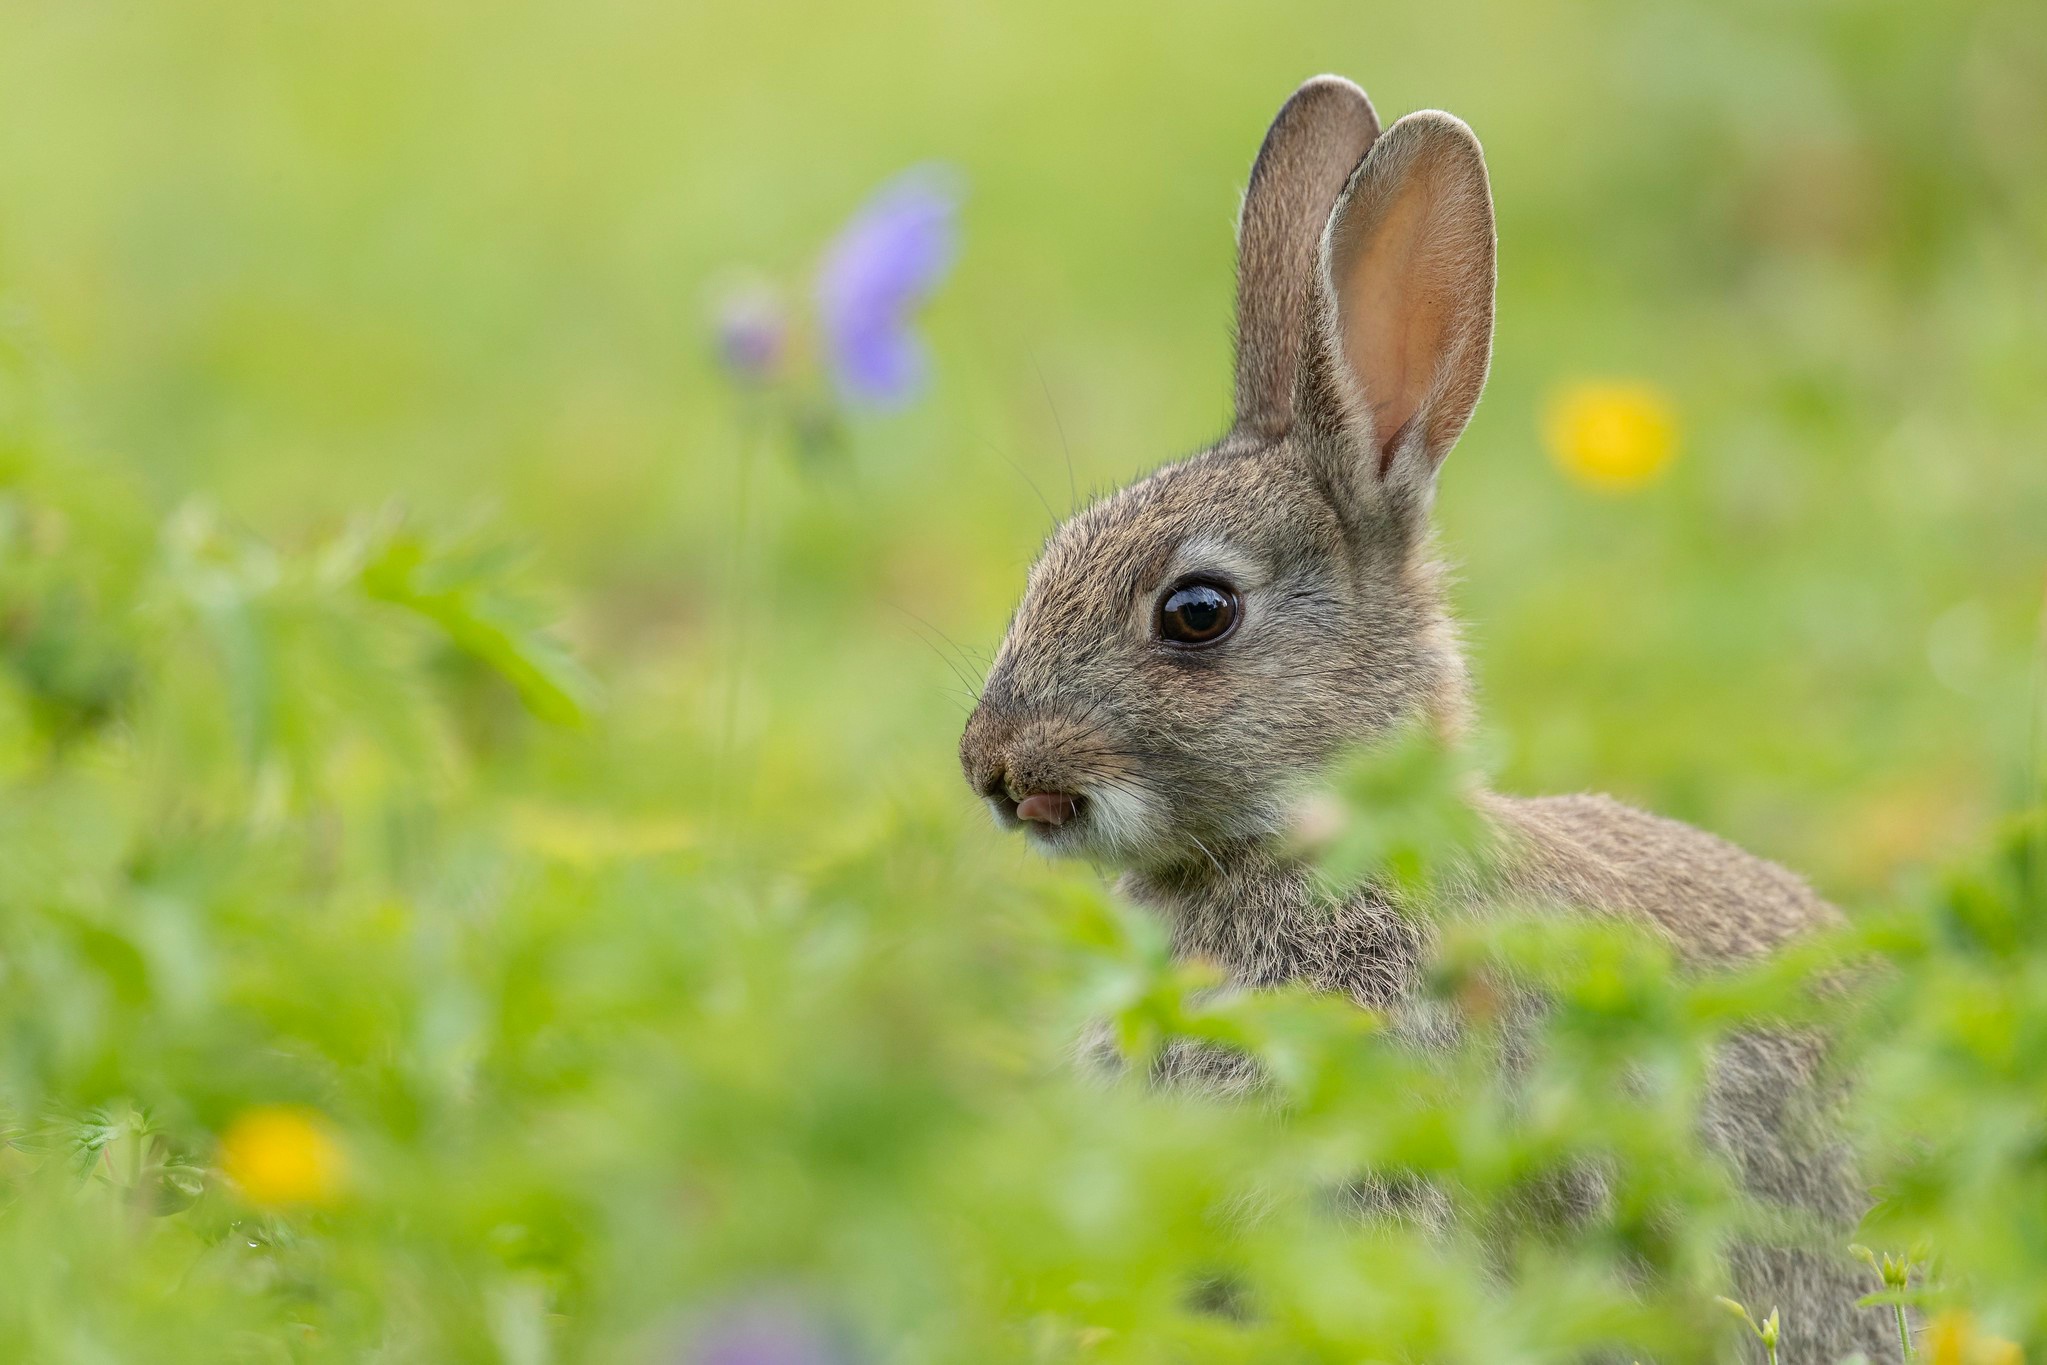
1043 814
1114 824
1055 822
1062 806
1049 808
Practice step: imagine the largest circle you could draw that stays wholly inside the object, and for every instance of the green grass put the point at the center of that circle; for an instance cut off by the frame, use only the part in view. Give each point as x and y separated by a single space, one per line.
399 718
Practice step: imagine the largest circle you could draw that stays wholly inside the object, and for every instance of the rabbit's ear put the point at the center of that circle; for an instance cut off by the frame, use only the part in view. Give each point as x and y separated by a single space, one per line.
1403 324
1314 144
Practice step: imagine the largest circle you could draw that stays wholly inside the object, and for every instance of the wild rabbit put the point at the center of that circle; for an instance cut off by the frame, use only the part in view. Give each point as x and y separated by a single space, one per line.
1188 649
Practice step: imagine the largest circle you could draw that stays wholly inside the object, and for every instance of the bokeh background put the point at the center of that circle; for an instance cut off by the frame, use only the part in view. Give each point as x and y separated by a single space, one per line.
304 262
273 274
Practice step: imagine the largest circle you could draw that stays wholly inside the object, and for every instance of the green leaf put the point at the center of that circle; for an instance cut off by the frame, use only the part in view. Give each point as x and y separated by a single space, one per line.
462 599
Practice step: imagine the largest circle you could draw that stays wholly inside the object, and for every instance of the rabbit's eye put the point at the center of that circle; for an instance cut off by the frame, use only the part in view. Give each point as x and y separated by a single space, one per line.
1197 613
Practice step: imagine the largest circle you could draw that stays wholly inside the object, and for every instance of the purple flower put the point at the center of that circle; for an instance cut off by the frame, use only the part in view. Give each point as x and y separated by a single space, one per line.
875 273
764 1331
753 331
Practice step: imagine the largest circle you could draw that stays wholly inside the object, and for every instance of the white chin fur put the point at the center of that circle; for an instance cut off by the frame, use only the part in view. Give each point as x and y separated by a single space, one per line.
1124 821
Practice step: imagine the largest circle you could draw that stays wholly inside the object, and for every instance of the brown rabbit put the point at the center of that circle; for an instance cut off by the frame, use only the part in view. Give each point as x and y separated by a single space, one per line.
1188 650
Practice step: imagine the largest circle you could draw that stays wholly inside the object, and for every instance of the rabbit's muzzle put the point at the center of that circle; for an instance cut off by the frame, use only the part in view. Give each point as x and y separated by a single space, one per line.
1041 773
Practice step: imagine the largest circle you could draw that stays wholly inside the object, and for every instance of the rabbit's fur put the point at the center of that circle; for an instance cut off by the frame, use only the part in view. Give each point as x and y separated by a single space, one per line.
1364 330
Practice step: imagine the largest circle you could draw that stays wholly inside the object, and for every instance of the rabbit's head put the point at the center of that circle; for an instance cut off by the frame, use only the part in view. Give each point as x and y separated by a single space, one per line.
1191 649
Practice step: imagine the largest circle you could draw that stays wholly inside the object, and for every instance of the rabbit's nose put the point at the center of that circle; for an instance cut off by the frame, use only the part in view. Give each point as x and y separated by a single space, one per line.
1047 808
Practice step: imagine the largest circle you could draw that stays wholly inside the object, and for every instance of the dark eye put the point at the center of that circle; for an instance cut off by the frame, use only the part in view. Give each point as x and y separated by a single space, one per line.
1197 613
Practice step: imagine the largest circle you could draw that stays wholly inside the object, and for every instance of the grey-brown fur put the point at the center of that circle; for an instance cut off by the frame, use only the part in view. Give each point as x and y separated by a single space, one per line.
1365 298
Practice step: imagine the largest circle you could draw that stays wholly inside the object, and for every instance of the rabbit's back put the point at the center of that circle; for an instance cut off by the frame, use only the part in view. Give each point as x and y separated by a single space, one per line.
1716 902
1770 1107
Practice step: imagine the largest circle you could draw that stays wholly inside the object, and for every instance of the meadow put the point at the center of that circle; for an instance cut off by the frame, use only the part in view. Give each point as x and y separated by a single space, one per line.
484 871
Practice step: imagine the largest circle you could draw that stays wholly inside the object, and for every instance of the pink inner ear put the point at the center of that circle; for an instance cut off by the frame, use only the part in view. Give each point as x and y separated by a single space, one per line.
1411 265
1391 318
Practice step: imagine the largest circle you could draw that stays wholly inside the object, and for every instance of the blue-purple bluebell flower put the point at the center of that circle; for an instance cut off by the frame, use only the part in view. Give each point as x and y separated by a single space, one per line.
877 271
765 1330
753 331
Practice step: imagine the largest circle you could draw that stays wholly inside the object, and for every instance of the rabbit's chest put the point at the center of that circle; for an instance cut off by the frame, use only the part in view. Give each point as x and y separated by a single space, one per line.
1278 933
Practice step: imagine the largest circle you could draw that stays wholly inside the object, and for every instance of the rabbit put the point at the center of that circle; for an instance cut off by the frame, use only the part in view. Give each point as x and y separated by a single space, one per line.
1188 649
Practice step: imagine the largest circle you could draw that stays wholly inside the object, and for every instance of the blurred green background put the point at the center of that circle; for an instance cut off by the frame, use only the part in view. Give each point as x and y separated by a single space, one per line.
270 270
309 259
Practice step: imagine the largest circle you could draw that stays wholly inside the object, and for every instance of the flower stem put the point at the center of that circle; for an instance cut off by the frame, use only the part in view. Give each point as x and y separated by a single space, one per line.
1904 1333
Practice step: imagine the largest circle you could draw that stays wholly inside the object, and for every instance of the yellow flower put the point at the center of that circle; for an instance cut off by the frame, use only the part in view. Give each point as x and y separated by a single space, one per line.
1612 437
1952 1339
282 1155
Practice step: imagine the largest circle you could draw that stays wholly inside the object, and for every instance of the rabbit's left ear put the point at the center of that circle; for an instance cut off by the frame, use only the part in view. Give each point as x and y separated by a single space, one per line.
1318 138
1402 329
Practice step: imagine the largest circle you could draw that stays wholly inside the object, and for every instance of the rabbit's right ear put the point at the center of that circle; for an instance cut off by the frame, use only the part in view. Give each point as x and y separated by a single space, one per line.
1401 326
1316 141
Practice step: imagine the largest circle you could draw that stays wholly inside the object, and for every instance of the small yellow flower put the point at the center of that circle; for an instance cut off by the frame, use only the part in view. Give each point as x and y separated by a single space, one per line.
1952 1339
1612 437
283 1155
1947 1339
